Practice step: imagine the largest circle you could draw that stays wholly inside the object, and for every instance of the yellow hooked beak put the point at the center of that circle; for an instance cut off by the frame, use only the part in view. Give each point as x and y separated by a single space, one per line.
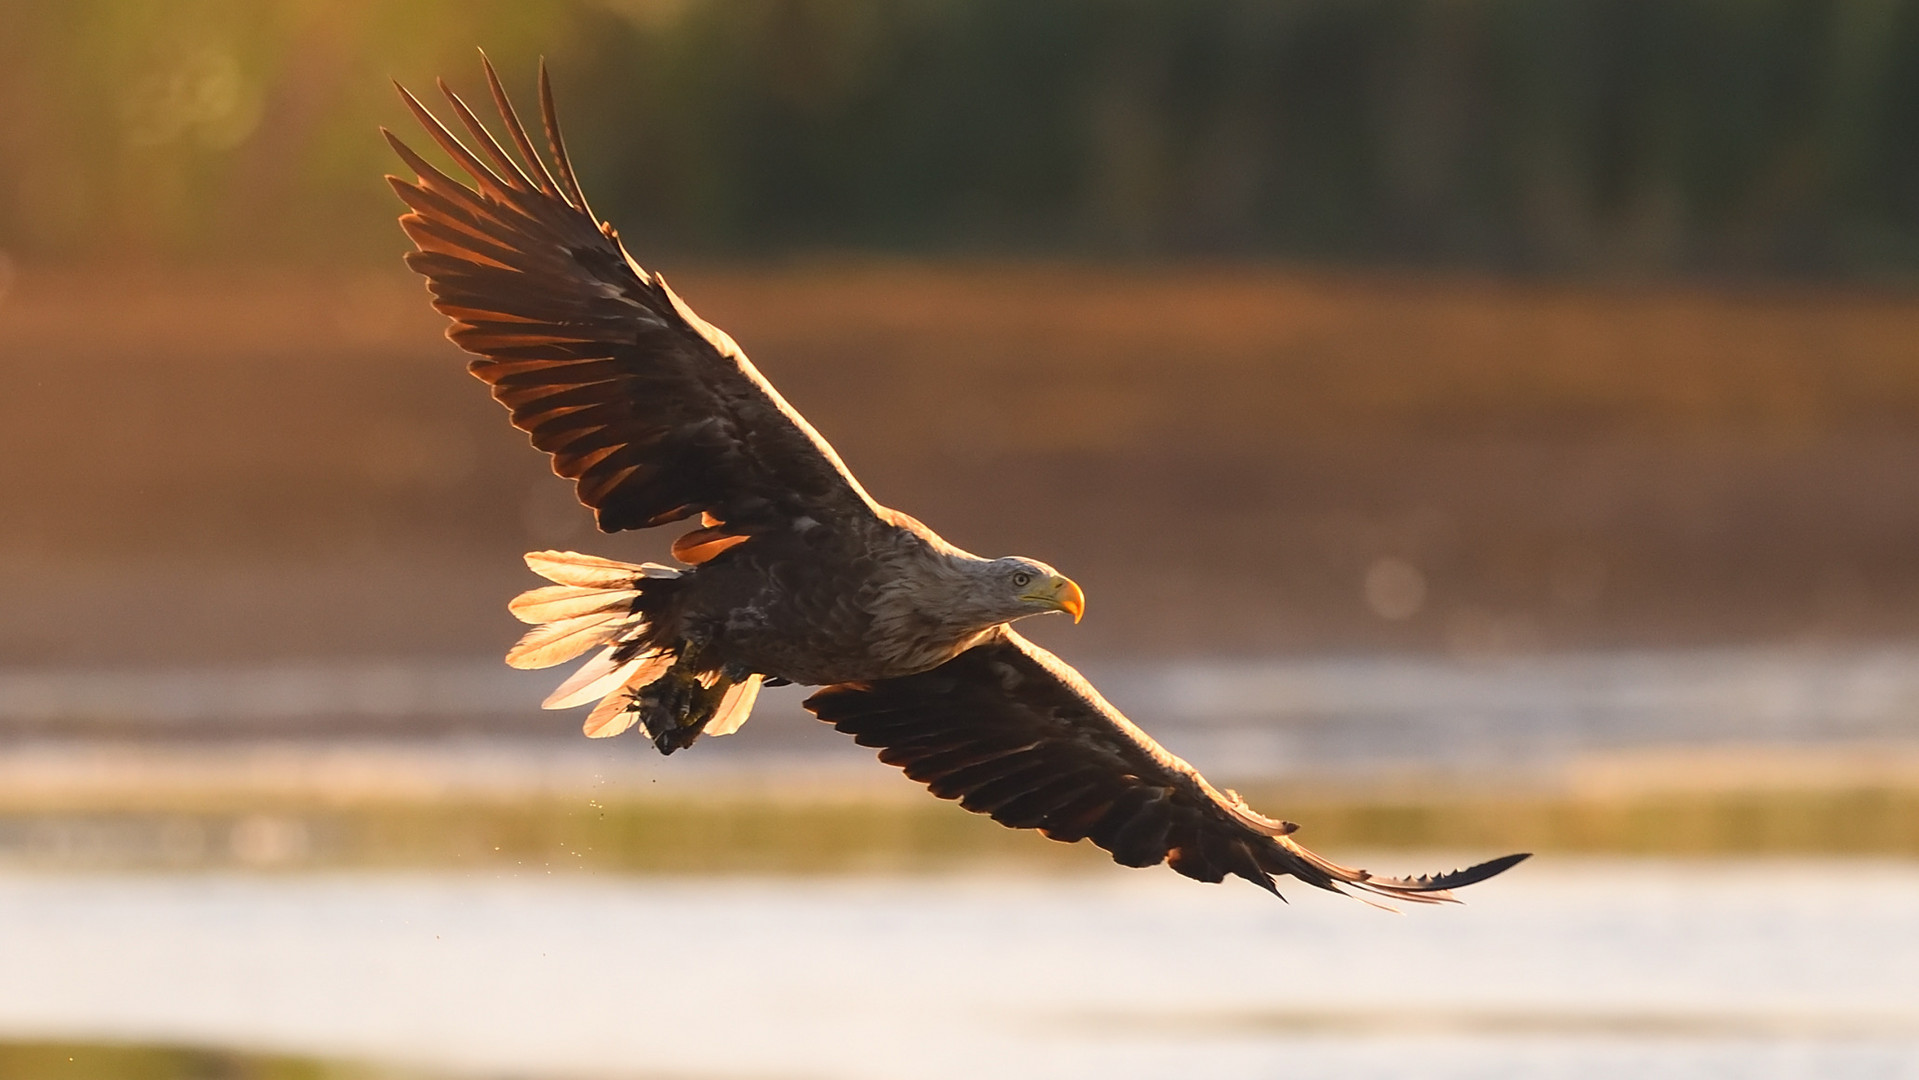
1058 593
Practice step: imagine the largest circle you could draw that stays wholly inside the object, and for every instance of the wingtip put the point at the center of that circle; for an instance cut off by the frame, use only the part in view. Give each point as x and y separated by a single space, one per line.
550 119
420 112
1439 886
405 94
1475 874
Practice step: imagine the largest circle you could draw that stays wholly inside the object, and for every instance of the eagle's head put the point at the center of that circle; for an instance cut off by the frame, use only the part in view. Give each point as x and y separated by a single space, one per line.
1018 587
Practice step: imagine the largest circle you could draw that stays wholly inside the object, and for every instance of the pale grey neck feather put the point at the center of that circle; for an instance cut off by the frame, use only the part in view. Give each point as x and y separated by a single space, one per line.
936 602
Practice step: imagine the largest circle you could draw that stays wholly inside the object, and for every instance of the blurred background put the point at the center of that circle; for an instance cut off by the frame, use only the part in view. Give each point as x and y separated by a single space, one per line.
1478 425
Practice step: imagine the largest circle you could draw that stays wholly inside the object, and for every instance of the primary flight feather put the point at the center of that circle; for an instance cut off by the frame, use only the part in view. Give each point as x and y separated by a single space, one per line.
793 573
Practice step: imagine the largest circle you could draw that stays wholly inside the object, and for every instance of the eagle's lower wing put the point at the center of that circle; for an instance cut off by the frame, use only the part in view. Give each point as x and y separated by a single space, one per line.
653 413
1014 733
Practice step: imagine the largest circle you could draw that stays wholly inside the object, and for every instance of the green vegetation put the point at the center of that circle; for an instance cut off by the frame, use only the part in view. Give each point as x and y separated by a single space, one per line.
94 1061
780 836
1680 134
1867 821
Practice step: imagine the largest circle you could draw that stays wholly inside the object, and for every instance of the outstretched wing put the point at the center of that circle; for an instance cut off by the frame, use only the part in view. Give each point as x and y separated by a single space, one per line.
1012 732
652 412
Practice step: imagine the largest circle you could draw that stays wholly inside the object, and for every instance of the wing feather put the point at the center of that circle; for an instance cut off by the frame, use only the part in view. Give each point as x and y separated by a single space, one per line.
518 132
550 118
1009 731
504 165
654 413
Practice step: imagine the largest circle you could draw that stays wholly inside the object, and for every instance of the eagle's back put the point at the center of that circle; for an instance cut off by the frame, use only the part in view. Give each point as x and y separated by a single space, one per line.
825 604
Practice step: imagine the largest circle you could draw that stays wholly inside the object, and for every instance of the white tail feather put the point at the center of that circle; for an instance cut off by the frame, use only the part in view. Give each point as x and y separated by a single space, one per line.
610 716
552 603
591 604
588 571
601 676
591 571
735 706
590 675
558 642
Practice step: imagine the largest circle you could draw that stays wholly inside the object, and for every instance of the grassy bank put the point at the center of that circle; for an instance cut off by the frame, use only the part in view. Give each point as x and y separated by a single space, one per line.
94 1061
748 835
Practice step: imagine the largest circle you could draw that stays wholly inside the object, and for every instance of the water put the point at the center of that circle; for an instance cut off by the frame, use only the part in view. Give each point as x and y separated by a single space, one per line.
1574 970
1848 715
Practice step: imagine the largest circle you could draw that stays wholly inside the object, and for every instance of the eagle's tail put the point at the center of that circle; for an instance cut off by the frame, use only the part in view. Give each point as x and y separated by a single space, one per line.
639 676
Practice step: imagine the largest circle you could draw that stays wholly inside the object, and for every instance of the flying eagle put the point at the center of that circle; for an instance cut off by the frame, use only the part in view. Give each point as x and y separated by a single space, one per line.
794 574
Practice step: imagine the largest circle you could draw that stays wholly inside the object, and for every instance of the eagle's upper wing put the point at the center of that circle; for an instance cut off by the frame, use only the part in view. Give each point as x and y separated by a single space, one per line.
1012 732
653 413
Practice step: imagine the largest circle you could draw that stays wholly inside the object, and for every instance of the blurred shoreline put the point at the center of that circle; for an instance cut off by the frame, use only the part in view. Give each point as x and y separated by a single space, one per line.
1847 688
1507 721
1723 752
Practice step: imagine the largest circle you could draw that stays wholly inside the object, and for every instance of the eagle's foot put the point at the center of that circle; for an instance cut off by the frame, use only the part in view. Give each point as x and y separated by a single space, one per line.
675 707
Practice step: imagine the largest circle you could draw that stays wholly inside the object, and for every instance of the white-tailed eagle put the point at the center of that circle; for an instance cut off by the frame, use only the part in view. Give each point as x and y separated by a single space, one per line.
793 573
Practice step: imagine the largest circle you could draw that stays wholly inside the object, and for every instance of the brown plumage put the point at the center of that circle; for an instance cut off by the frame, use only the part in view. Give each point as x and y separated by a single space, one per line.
794 573
1010 731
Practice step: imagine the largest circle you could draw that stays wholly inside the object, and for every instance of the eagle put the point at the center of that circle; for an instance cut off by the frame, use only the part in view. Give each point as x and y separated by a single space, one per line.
792 573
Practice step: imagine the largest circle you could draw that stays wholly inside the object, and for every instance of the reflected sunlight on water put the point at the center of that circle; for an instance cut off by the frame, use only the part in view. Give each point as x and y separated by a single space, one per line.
1566 968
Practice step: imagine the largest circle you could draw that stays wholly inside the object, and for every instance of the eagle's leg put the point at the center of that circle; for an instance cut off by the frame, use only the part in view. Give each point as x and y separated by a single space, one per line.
672 705
675 708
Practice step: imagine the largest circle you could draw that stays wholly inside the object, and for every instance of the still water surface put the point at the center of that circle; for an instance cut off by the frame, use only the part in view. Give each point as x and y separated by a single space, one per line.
1564 969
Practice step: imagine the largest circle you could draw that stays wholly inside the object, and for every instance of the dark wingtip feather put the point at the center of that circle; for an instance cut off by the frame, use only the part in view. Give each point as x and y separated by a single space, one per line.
488 181
550 117
516 130
406 153
1472 875
508 169
1434 886
428 175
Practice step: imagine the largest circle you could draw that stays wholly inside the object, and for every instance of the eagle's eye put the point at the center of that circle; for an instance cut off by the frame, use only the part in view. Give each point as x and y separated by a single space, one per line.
1022 580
